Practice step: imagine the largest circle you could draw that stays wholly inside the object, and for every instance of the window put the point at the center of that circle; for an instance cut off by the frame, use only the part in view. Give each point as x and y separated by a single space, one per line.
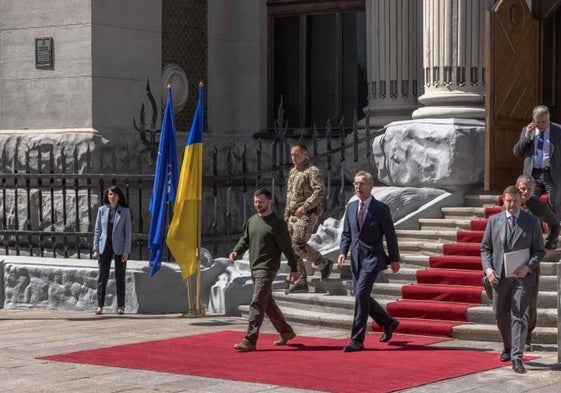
317 62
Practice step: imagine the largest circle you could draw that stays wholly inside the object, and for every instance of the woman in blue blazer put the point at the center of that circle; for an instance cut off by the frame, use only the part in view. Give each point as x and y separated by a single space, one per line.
112 240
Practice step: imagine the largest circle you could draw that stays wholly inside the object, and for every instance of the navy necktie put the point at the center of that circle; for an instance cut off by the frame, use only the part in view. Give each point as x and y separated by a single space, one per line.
539 151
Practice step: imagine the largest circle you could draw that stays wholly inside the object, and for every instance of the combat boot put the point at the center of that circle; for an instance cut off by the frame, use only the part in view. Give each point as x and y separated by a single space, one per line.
301 286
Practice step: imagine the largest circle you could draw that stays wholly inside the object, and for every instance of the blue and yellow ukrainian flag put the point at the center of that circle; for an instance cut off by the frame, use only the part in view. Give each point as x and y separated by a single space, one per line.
183 238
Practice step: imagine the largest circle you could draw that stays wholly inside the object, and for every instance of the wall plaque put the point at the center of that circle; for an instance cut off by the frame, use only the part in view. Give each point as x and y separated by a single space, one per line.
44 53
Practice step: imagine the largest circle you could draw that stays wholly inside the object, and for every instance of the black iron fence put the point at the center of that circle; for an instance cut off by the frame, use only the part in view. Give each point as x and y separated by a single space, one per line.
53 214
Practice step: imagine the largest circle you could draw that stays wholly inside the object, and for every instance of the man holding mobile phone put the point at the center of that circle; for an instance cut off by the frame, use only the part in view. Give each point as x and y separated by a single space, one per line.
540 145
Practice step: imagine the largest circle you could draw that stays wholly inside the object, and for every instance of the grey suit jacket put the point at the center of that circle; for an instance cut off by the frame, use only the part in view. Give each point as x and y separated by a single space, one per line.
121 234
525 148
527 234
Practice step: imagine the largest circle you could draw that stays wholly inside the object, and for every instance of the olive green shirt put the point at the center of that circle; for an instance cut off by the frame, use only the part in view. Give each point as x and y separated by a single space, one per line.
266 238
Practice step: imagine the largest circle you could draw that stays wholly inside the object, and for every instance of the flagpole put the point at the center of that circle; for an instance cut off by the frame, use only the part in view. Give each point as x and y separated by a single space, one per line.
200 313
196 312
198 287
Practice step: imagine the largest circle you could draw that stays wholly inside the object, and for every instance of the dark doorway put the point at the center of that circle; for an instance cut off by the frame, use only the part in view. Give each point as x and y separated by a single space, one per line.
317 61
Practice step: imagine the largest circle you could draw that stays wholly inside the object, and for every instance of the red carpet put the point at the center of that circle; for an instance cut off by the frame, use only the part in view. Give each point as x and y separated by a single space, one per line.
448 293
469 236
424 327
468 249
429 310
306 363
448 288
489 211
478 225
456 262
449 277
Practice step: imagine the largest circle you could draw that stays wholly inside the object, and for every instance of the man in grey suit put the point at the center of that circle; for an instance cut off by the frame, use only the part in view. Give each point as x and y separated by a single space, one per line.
540 146
512 230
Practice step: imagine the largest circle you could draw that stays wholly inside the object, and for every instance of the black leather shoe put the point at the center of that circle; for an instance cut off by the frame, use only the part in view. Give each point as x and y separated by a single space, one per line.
505 356
388 331
518 367
354 346
326 270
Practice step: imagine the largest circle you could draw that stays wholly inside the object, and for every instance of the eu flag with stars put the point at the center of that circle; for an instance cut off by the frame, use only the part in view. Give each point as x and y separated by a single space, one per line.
165 187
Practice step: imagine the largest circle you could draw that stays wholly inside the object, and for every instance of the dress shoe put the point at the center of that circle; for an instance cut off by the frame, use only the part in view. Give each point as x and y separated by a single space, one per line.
99 311
518 367
245 346
388 331
298 287
505 356
551 245
354 346
326 269
121 311
284 338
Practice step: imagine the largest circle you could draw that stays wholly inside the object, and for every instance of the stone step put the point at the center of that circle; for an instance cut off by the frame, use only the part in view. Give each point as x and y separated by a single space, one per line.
316 318
414 260
547 317
481 200
337 312
404 275
443 224
488 332
331 304
421 247
427 235
470 213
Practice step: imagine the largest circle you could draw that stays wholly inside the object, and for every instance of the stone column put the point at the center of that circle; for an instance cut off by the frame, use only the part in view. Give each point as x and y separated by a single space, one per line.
392 44
453 59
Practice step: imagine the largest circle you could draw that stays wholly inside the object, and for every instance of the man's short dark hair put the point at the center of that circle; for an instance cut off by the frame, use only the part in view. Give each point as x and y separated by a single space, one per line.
512 190
263 191
301 146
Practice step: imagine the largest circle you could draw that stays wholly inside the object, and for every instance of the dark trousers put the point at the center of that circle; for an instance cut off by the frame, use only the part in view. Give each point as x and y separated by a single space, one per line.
263 303
365 305
511 297
533 306
104 264
544 183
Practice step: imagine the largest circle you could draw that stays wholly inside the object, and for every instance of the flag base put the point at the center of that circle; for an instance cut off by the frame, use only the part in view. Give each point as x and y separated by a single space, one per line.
194 314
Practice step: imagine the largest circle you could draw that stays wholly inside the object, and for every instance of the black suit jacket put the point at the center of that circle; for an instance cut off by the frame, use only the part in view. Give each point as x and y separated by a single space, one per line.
525 148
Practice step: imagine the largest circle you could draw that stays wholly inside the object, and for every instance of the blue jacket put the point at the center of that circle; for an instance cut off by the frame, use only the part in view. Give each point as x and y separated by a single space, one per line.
121 234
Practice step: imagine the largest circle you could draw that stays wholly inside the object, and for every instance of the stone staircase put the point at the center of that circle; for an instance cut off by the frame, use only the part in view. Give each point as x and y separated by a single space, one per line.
331 304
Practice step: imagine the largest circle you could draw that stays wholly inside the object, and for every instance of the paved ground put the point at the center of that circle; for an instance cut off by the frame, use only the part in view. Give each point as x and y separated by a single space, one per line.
27 334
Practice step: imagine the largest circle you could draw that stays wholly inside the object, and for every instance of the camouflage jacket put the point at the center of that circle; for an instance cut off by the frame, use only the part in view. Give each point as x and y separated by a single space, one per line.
305 188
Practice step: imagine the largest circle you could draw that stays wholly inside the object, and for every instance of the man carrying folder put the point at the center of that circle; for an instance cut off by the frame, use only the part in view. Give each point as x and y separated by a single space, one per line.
506 232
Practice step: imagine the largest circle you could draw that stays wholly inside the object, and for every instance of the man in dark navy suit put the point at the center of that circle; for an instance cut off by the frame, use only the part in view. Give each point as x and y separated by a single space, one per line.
366 222
540 146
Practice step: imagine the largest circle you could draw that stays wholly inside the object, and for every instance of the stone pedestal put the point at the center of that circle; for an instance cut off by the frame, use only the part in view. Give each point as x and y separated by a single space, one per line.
431 152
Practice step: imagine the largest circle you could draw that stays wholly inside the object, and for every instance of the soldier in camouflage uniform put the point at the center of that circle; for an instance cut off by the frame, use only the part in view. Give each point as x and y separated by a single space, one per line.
303 207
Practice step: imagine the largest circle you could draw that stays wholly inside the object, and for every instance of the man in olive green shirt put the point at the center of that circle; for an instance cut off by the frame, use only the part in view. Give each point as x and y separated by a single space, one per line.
266 237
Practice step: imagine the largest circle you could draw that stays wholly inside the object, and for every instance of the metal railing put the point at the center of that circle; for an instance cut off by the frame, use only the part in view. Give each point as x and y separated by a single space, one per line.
52 214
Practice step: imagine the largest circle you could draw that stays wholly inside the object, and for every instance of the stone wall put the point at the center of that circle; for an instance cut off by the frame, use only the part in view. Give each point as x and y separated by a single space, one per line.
70 284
